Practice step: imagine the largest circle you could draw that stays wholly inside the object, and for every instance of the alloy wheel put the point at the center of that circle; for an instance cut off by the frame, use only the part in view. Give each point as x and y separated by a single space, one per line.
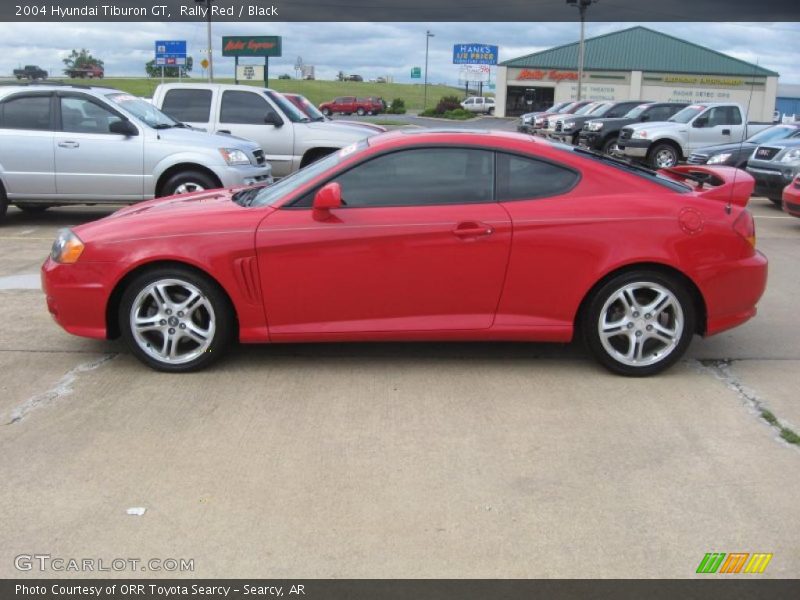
188 188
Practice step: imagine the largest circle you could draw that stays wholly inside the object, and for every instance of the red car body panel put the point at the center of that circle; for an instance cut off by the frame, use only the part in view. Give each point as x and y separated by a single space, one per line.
425 272
791 198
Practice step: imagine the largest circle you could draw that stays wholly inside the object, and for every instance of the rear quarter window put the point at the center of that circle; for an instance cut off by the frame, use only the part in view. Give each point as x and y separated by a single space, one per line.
188 105
521 178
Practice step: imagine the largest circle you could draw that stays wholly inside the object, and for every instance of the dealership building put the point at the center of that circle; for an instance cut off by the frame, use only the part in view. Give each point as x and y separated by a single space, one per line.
634 64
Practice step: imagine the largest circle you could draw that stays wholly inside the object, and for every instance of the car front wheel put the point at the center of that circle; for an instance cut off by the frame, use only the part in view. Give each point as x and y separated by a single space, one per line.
188 182
175 320
639 323
663 156
360 112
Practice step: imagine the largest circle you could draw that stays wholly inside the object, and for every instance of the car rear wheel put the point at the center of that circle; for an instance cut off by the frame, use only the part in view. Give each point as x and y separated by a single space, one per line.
777 202
663 156
639 323
361 112
3 203
188 182
491 111
175 320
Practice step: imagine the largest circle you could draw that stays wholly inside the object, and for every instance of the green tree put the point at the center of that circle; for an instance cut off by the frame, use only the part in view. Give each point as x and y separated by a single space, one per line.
80 59
154 70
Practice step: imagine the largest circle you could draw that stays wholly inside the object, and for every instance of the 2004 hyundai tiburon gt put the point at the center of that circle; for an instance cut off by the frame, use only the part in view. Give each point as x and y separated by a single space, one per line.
429 235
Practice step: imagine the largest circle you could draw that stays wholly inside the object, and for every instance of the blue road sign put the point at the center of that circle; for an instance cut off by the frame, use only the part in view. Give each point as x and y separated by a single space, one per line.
474 54
171 52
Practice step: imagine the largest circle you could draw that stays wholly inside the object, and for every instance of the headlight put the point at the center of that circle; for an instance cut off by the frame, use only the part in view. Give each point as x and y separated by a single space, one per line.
233 156
67 248
719 158
639 135
594 126
568 125
791 155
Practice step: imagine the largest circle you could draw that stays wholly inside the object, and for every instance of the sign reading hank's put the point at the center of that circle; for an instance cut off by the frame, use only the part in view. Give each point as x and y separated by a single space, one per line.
243 45
474 54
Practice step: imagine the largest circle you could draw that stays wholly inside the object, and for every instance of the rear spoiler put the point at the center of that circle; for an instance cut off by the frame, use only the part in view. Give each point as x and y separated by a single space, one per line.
726 184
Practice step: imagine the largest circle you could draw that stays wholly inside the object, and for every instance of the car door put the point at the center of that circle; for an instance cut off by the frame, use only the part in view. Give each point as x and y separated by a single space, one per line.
27 162
244 113
717 125
420 245
91 161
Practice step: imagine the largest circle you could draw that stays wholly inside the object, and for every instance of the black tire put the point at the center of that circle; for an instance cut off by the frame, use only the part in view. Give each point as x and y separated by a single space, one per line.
490 112
677 315
361 112
218 341
326 112
777 202
32 209
662 150
609 145
3 203
187 181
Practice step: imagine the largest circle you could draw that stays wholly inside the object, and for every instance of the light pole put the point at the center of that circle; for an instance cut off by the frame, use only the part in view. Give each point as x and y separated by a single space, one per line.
428 36
582 5
208 32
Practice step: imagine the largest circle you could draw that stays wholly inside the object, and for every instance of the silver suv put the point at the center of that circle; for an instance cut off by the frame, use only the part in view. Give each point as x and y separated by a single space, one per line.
62 144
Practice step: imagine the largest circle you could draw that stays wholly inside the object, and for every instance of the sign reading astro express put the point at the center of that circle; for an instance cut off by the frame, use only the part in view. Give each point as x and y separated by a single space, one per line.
552 75
242 45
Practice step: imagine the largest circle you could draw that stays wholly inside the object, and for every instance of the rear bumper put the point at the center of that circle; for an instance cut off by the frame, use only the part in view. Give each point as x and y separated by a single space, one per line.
732 292
77 296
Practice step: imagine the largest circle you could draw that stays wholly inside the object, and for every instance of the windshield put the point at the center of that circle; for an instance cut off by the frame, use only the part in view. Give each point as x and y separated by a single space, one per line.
271 194
144 111
636 111
586 109
601 110
687 114
290 110
307 107
778 132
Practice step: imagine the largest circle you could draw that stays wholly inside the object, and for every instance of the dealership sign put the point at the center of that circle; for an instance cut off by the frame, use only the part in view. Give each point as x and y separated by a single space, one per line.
474 73
170 52
243 45
539 75
474 54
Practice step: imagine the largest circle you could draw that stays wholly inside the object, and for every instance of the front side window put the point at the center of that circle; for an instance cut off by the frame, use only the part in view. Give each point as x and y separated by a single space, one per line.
192 106
420 177
26 112
244 108
520 178
687 114
80 115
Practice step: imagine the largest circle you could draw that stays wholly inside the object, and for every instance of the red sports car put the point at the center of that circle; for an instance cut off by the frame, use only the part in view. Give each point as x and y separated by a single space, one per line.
791 198
423 235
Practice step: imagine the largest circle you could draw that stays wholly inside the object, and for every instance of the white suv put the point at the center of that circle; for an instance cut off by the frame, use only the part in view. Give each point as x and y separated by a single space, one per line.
479 104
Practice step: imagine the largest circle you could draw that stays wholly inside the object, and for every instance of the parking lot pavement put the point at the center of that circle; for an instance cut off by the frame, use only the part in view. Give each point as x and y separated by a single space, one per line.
397 460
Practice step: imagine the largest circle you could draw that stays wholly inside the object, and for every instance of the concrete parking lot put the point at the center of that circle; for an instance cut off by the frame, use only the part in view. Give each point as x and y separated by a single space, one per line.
397 460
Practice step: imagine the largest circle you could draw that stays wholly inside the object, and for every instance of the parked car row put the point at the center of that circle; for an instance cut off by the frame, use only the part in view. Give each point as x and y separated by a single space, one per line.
67 144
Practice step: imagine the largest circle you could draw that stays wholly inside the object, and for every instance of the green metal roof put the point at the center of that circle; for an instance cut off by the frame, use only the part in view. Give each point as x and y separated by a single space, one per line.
640 49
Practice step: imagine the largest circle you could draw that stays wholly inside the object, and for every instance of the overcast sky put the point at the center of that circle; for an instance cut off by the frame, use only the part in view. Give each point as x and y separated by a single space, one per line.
370 49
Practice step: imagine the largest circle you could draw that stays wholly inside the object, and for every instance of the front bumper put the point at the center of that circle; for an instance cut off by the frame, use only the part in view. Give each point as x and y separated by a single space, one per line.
590 139
770 182
77 296
635 148
565 137
234 176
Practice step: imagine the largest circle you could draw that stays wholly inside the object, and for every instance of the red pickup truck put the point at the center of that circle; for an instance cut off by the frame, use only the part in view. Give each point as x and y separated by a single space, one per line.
90 71
350 104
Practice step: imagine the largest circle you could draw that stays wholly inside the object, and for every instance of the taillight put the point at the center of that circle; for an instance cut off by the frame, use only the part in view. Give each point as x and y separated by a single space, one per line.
745 226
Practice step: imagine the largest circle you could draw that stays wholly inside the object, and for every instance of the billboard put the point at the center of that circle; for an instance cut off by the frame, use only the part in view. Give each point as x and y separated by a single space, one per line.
170 52
250 72
251 45
474 54
474 73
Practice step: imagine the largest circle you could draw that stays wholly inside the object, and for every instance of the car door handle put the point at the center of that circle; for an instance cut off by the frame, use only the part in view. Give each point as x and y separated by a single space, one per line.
68 144
726 132
228 131
472 229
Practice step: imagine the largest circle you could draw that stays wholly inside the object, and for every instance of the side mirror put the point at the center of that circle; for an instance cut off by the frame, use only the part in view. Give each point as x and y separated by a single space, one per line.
329 196
272 118
700 122
123 127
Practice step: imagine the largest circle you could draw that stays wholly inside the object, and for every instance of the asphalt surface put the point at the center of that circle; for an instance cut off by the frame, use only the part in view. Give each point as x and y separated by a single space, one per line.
396 460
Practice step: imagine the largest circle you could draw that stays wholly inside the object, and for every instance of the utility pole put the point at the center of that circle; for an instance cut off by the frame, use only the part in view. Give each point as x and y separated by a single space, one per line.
428 36
581 5
208 33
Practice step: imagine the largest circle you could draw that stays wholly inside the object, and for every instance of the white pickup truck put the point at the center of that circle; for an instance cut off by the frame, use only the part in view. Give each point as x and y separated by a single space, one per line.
663 144
290 139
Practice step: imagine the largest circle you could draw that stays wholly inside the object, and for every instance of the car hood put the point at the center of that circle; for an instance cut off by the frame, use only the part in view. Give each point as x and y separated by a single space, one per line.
615 121
656 127
199 137
335 131
200 213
